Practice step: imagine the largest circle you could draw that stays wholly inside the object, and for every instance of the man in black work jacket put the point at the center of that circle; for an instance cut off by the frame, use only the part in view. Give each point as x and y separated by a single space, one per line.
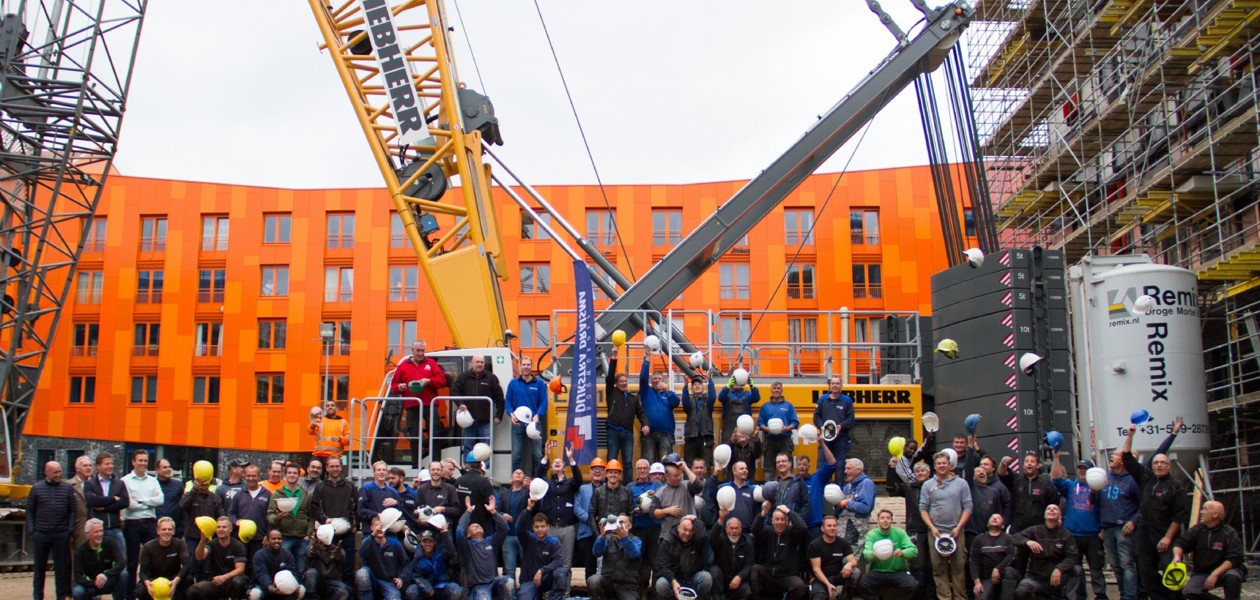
1164 507
779 555
623 408
680 560
50 519
733 562
106 496
561 495
98 564
1031 491
1218 555
1051 556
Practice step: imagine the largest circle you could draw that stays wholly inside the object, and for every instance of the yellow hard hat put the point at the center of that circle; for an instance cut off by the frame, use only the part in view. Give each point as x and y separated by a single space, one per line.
207 526
619 338
246 530
896 446
1175 576
948 347
161 588
203 471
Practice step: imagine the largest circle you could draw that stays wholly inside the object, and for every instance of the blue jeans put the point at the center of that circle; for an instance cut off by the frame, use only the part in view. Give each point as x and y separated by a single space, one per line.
370 588
521 441
501 587
297 547
1120 556
325 589
113 587
416 591
556 587
656 445
511 555
116 534
479 432
620 445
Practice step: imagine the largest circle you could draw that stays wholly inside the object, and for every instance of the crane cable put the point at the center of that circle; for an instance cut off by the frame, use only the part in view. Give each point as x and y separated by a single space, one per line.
590 156
468 41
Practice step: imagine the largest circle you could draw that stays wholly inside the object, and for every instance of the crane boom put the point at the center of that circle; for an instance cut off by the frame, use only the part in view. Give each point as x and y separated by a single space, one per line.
737 216
389 53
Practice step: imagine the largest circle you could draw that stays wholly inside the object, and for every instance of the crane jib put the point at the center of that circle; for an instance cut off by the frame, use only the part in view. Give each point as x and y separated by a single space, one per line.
402 97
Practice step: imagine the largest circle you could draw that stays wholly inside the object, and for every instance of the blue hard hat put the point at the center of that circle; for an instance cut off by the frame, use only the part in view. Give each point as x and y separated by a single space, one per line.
971 422
470 458
1054 439
770 490
1139 416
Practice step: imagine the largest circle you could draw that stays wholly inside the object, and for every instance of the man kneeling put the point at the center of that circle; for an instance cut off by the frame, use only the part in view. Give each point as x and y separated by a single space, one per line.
832 561
1051 556
1218 555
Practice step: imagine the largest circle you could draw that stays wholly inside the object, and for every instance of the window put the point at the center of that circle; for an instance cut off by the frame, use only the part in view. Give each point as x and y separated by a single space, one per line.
276 228
735 330
800 280
89 286
337 386
397 233
666 226
969 222
270 388
341 337
865 330
400 334
206 390
338 284
803 331
864 226
866 281
403 282
149 287
214 233
144 389
82 389
209 339
798 226
147 339
152 234
95 239
530 230
607 277
272 334
86 337
275 281
535 278
601 227
535 332
210 284
734 281
340 231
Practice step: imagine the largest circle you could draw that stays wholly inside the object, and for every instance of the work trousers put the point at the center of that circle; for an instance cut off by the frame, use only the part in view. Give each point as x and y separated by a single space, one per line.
1089 549
873 584
656 445
1231 582
949 573
136 532
1150 565
56 545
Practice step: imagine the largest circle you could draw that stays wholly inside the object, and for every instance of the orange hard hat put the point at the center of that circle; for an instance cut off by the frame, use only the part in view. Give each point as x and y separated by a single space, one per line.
613 465
556 386
598 462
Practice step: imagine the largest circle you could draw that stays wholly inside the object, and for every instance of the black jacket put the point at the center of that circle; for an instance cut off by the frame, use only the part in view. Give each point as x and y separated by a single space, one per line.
50 509
201 504
733 559
558 503
782 554
909 491
623 408
606 500
1058 550
327 561
794 494
677 560
1212 546
443 495
484 384
988 553
101 503
88 563
1029 498
333 499
1163 500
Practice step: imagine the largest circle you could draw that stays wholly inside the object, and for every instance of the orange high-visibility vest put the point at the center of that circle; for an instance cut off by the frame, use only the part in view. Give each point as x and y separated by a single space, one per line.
325 430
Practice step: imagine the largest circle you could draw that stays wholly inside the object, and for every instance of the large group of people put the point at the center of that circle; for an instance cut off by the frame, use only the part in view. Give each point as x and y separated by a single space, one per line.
675 526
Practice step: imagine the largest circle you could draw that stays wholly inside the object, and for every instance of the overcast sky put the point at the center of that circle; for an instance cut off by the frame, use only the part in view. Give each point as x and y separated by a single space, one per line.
668 92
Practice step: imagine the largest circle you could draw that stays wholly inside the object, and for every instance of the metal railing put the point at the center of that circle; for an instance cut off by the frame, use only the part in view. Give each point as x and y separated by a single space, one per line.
376 423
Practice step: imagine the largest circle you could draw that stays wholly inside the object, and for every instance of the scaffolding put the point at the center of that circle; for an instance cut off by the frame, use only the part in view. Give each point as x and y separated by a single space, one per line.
1131 126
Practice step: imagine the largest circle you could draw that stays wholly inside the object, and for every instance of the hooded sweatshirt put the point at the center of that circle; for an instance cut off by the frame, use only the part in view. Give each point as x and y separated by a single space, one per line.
1080 514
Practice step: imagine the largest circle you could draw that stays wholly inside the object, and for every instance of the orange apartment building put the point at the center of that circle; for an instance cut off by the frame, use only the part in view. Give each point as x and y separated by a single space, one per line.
194 321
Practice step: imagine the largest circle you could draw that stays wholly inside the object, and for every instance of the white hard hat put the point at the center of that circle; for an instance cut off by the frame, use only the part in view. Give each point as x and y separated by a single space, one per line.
721 456
953 457
390 517
340 526
325 533
523 414
538 488
532 432
883 549
1143 304
975 257
653 343
463 417
809 433
726 498
775 426
931 422
697 360
833 494
316 411
698 501
656 468
285 582
482 451
946 545
1096 478
425 475
741 376
438 522
757 496
645 501
745 424
424 514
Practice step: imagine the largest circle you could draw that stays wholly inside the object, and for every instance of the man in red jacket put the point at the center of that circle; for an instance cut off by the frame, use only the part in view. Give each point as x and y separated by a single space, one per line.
417 378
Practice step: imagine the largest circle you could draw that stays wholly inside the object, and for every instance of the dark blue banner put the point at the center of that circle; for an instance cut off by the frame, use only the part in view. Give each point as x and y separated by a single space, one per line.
580 430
